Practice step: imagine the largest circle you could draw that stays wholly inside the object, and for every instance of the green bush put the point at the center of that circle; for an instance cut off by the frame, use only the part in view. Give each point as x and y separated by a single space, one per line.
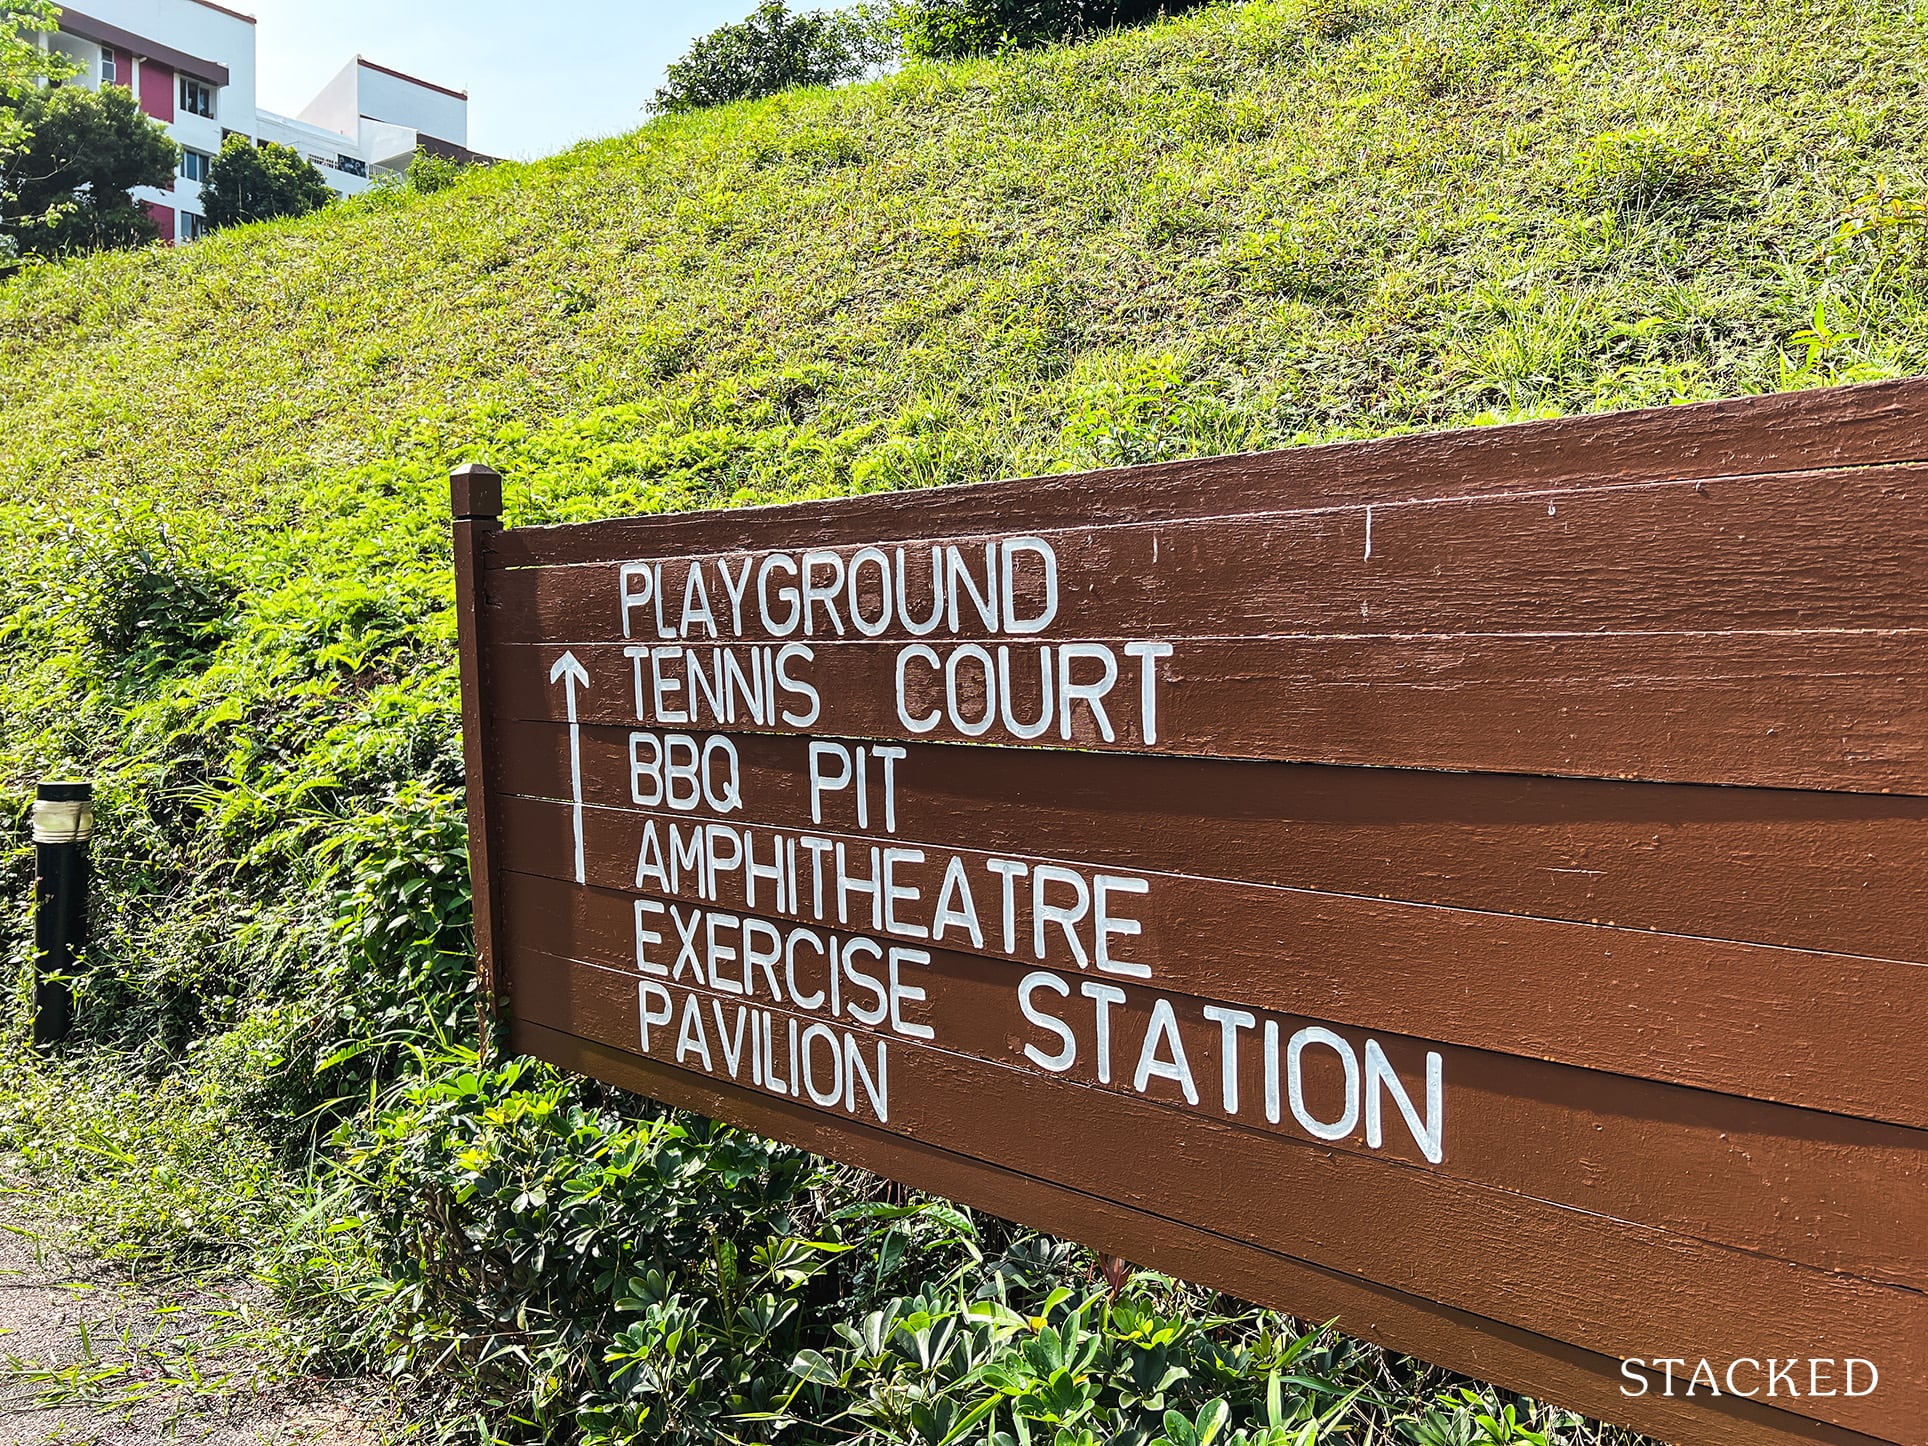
227 596
550 1263
429 173
771 50
65 187
949 29
262 181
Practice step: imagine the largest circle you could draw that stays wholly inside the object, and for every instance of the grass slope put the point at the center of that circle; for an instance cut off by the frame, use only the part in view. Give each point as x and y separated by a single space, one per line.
223 527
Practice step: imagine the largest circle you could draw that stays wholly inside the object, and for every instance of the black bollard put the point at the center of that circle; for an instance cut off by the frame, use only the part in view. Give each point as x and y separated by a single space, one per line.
63 821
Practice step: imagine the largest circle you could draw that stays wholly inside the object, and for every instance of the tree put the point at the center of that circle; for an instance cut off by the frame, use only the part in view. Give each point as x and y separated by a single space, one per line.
770 51
24 66
65 186
945 29
260 183
429 173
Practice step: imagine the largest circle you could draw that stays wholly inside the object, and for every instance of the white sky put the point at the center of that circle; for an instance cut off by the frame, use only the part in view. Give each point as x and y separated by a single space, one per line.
539 76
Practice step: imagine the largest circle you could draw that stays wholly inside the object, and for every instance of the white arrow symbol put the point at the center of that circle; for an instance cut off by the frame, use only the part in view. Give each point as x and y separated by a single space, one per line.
571 672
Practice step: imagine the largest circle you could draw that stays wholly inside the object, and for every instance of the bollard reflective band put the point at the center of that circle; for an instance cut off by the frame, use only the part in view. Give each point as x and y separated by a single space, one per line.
59 822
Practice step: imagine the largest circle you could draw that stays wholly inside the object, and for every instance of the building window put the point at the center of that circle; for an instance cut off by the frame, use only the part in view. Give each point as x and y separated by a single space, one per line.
197 97
193 227
109 71
194 165
353 165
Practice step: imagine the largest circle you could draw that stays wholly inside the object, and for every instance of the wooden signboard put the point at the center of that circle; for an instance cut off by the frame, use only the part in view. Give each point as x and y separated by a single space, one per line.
1471 886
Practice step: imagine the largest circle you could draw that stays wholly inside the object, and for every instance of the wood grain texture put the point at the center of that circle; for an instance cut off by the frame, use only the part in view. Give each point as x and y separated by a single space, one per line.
1572 776
1837 711
1801 431
1486 1349
1784 553
1833 1192
1479 1251
475 505
1839 873
1792 1026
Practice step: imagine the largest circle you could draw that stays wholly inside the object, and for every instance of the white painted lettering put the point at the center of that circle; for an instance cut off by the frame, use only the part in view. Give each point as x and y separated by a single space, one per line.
1048 603
1230 1021
1428 1133
1295 1083
1102 997
646 936
653 1006
1067 1052
1174 1066
631 599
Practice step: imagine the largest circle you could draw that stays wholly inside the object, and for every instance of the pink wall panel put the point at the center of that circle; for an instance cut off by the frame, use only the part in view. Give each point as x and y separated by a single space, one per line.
162 216
157 90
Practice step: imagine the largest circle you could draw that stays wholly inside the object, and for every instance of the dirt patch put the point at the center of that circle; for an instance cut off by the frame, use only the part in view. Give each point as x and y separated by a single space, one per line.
89 1357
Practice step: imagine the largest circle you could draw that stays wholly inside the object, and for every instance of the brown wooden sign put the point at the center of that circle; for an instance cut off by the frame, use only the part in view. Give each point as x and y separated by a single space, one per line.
1471 886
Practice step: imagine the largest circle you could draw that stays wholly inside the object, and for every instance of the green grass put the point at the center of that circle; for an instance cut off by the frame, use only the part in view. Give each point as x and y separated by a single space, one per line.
224 586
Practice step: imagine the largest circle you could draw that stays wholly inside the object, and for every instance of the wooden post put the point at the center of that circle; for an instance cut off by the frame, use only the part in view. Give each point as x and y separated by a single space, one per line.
475 503
63 821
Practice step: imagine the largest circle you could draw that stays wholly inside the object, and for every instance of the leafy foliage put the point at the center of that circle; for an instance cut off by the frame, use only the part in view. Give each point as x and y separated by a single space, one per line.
226 599
770 51
429 173
64 188
771 1297
260 182
24 66
948 29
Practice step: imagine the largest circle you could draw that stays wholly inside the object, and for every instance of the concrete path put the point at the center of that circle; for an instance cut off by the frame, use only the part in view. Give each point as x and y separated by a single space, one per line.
89 1359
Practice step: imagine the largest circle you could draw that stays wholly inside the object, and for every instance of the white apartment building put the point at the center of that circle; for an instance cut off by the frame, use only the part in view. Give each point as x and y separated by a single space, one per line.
191 65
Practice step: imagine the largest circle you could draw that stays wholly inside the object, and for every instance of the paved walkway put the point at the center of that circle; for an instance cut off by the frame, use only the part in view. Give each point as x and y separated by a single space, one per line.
88 1359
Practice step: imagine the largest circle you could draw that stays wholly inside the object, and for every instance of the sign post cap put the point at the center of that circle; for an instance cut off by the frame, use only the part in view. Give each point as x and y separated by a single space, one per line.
63 811
475 490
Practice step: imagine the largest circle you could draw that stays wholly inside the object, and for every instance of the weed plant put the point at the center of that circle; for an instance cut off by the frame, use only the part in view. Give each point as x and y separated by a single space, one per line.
226 599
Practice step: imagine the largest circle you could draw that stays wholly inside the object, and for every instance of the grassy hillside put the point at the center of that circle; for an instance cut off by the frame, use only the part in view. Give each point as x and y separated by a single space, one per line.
224 579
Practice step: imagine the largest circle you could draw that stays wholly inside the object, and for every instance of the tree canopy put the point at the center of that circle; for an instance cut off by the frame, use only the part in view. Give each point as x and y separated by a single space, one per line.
64 187
23 64
770 51
775 49
250 182
943 29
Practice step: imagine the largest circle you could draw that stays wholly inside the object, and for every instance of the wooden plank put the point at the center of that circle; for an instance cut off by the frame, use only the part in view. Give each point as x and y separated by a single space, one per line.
1801 431
1790 552
1484 1348
1840 711
1790 1026
1476 1249
1832 1192
1839 873
1569 780
475 506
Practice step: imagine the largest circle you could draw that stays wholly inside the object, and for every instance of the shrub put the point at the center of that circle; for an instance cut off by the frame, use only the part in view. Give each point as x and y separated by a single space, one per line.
65 188
429 173
250 182
946 29
147 606
605 1279
770 51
